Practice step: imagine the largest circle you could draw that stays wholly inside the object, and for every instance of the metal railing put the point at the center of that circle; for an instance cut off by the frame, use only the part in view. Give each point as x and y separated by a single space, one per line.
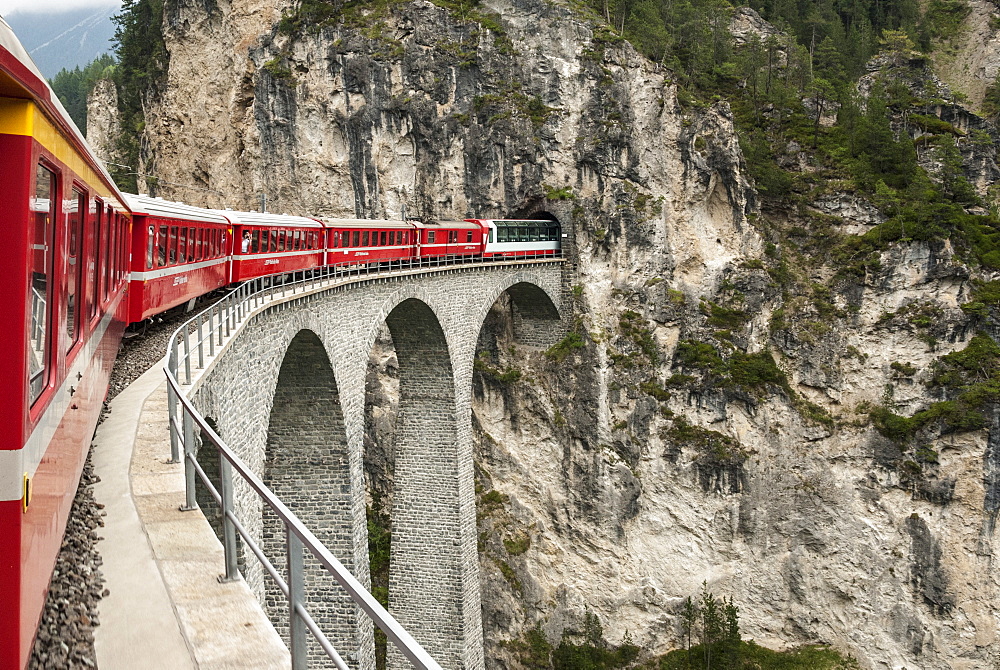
202 335
299 538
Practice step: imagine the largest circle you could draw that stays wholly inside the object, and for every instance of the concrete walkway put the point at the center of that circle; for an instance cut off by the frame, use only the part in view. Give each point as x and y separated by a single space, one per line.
166 607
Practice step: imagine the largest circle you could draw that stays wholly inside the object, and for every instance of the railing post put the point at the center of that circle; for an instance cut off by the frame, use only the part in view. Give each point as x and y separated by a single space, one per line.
296 595
228 529
211 332
201 346
189 455
175 452
187 356
218 321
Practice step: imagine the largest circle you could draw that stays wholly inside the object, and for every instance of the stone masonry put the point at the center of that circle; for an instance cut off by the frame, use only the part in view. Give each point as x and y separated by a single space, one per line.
288 394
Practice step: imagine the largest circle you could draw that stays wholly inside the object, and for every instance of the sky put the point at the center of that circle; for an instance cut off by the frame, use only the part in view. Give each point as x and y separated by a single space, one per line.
37 6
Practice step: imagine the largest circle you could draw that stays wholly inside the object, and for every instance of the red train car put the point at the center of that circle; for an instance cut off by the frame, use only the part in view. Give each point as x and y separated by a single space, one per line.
451 238
266 244
357 241
62 313
179 252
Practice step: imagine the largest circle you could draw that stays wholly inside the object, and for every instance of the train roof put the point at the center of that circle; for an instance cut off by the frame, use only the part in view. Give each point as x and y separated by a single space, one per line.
268 219
367 223
521 222
20 78
471 224
143 204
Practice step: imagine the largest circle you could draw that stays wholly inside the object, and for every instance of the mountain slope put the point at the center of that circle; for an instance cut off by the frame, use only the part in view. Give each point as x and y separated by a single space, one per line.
66 39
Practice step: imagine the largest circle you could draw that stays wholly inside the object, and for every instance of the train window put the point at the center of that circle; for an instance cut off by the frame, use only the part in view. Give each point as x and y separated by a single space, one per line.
468 236
430 237
365 238
172 246
106 252
255 241
355 238
336 239
41 207
181 244
161 247
298 240
263 240
113 254
273 246
150 244
192 241
381 238
491 235
281 240
74 277
92 265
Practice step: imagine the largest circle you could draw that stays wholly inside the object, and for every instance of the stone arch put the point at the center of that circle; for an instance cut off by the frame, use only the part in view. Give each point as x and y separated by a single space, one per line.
426 577
306 465
535 318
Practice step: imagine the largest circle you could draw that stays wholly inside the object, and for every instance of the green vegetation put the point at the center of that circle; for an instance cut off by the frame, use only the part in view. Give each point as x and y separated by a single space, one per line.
752 656
564 193
633 327
564 347
723 317
141 72
518 544
73 86
712 639
511 102
504 376
713 447
970 378
753 373
652 388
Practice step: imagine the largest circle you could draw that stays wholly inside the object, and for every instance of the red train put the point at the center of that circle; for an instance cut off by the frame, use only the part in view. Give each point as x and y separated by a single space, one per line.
82 260
181 252
62 312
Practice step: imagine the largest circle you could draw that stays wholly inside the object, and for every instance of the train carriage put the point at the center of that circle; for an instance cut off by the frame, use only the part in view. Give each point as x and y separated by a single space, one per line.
521 237
267 244
62 313
357 241
451 238
179 252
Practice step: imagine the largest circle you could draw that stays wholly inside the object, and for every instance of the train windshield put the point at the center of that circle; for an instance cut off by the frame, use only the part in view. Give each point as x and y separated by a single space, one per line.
526 231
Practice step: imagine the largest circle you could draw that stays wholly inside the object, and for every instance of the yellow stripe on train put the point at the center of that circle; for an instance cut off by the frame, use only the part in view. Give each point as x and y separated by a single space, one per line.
23 117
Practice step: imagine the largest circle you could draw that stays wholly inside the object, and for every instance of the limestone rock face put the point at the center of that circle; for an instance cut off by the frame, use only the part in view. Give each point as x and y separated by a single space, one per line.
102 119
622 483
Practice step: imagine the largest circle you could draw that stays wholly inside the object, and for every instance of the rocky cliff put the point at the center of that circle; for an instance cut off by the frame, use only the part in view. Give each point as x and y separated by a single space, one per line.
710 421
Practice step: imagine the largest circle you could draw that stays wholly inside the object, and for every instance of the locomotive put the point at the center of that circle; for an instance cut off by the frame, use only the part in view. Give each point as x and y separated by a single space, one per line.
82 260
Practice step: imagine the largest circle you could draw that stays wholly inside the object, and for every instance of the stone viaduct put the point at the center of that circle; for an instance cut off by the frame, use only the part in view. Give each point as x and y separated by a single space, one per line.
288 394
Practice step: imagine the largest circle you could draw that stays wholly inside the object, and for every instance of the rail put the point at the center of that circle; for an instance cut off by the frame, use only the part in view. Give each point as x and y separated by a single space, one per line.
209 330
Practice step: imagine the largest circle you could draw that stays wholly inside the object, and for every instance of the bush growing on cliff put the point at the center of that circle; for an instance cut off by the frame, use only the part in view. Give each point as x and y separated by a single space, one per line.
970 377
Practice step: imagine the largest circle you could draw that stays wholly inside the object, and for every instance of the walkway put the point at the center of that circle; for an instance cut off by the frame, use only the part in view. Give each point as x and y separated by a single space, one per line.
166 607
